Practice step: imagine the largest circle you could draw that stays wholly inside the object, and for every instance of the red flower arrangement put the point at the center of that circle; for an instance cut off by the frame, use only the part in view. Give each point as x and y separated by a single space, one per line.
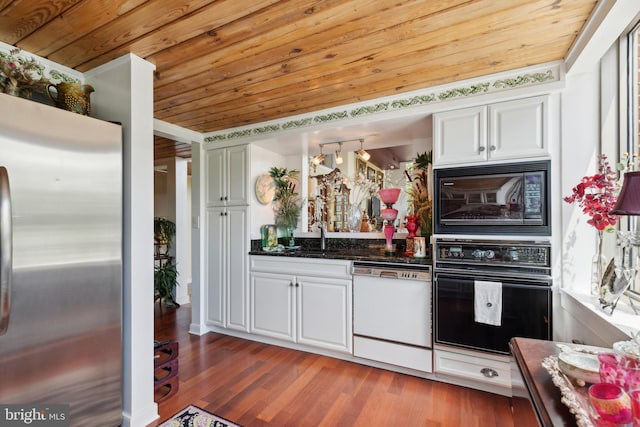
596 195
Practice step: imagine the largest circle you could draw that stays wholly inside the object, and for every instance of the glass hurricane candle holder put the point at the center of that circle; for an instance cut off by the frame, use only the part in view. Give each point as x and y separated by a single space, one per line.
634 395
610 405
619 370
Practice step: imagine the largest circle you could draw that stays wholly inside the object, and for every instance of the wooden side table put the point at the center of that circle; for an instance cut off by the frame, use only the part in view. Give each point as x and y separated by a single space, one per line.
545 396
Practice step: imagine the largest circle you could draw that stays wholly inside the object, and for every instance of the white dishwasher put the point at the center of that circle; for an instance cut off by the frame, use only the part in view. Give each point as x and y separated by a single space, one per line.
392 314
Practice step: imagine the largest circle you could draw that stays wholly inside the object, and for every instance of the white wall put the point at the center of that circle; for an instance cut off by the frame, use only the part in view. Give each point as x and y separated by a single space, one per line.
579 151
261 161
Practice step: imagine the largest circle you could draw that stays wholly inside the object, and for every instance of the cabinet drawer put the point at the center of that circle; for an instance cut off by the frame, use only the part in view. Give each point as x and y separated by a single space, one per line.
420 359
476 368
329 268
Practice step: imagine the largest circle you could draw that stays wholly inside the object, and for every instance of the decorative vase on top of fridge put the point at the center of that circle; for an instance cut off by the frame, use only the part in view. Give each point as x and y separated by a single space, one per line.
60 263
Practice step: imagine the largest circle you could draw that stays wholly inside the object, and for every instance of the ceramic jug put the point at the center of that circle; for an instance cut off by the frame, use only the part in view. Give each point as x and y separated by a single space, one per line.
72 97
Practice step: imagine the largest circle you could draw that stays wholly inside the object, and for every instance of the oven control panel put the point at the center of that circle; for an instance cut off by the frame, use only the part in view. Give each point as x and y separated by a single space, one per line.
503 252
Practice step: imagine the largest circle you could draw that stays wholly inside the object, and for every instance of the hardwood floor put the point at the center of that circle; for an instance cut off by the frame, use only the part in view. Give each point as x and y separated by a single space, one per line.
255 384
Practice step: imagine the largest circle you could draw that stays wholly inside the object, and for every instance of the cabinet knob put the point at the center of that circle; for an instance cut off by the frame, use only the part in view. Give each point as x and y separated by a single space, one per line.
481 149
492 148
489 373
297 285
291 284
226 198
221 198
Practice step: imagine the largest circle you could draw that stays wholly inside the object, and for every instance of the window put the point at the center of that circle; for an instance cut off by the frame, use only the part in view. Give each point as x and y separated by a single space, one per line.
631 144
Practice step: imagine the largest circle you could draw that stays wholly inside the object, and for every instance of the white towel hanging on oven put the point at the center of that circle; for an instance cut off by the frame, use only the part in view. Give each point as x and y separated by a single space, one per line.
487 302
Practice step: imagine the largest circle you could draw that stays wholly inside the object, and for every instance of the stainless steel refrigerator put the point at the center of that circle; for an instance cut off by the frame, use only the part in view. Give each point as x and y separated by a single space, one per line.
60 261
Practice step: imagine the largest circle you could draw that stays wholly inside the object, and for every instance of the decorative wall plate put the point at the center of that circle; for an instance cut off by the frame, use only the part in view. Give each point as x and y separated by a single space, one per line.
265 188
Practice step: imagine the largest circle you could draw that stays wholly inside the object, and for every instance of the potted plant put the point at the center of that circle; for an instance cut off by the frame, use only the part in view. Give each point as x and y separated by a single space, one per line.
163 231
165 279
287 203
420 193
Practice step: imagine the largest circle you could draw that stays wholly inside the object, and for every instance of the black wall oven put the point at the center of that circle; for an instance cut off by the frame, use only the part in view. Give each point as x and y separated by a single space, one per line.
497 199
522 272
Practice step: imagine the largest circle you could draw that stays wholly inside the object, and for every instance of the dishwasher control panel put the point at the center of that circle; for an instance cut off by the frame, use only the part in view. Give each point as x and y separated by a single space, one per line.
422 273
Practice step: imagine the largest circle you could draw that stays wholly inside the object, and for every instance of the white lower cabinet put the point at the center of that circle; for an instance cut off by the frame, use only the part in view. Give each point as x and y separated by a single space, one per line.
305 309
491 373
273 305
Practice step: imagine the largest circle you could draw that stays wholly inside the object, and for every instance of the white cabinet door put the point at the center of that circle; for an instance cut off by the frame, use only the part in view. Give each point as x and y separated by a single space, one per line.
216 181
237 267
324 312
518 129
216 271
227 268
227 176
460 136
273 305
237 173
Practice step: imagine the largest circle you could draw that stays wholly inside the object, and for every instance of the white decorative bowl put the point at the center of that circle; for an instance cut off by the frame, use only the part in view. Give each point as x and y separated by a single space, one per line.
580 366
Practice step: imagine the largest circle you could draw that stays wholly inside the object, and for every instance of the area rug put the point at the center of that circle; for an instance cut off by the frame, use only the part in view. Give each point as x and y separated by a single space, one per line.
192 416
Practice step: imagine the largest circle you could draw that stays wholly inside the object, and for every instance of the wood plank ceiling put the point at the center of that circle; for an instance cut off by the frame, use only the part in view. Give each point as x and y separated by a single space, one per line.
227 63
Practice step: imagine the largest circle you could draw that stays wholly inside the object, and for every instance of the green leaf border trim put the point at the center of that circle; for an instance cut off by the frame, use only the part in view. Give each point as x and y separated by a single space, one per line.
528 79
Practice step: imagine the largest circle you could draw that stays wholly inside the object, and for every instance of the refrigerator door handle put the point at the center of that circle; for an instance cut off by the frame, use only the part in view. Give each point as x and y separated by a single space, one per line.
6 251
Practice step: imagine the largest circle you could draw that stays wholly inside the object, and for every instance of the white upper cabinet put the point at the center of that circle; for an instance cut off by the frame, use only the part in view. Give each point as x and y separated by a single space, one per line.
518 129
503 131
227 171
460 136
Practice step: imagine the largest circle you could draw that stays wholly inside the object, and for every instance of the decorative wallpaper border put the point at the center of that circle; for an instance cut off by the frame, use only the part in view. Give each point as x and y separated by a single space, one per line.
54 75
527 79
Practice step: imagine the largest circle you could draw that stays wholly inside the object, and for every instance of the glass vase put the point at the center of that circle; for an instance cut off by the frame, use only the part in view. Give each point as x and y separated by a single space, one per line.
354 218
598 265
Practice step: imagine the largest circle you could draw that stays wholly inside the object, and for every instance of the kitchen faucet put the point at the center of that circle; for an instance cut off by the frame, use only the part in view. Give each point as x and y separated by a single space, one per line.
323 236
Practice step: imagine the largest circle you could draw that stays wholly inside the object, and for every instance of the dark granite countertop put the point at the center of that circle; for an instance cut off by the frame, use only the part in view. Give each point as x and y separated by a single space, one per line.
374 255
347 249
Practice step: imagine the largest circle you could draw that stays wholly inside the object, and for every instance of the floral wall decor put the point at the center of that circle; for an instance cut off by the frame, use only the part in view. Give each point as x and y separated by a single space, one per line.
20 76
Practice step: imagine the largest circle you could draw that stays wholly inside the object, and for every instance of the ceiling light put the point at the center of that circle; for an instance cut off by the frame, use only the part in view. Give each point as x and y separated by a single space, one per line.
316 160
339 159
363 154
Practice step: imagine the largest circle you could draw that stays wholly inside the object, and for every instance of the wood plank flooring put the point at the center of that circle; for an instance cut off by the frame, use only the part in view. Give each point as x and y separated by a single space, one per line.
255 384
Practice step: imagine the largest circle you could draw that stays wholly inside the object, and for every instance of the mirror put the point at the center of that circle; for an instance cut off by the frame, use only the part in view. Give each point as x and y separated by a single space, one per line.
344 196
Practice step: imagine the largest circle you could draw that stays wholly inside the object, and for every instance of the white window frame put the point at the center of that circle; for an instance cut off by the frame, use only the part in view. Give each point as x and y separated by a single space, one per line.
629 136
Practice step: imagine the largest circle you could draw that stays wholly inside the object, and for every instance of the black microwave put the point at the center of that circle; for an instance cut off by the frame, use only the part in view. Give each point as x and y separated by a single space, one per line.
503 199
